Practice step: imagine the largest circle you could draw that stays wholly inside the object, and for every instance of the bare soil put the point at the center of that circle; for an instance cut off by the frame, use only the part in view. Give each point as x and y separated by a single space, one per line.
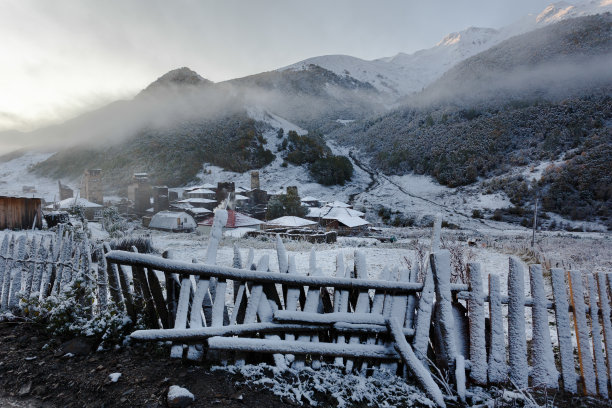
35 372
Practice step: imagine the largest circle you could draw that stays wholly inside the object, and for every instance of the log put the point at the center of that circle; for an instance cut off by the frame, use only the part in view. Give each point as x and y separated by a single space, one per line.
301 348
420 341
207 271
362 303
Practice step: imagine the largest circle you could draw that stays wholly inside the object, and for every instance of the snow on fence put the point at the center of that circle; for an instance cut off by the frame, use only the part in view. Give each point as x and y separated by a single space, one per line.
592 330
242 312
36 267
357 323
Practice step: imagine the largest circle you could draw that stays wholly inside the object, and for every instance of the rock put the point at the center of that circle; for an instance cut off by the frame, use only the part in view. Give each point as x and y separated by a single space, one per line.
77 346
179 397
25 388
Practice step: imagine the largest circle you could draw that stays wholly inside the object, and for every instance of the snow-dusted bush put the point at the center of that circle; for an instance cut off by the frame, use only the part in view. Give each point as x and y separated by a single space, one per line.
71 314
114 223
329 386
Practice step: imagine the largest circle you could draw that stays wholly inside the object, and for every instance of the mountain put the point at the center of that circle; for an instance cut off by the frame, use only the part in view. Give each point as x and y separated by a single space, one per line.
540 97
182 120
405 74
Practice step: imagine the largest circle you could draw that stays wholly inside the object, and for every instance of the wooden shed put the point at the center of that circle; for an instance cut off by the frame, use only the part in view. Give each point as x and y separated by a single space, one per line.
20 213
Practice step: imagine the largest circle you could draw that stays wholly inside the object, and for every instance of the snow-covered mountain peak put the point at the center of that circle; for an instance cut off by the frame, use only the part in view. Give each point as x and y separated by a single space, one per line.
471 35
403 74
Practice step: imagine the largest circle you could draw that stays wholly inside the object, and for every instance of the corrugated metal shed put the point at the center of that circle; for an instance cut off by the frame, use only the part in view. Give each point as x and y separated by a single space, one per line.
20 213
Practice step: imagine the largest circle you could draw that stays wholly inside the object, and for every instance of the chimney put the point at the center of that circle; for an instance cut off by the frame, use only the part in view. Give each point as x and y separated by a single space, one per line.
255 180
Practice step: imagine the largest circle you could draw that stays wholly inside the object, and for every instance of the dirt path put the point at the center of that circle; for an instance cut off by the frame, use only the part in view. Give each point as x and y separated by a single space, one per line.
375 181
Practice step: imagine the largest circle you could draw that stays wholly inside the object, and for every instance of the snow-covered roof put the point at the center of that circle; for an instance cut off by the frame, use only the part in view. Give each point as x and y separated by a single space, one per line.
200 191
70 202
352 222
289 221
172 220
203 186
241 197
309 198
234 220
331 213
242 190
197 201
197 210
337 204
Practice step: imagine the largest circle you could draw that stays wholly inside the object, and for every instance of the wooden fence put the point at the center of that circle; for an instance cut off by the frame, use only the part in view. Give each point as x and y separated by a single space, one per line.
243 312
37 266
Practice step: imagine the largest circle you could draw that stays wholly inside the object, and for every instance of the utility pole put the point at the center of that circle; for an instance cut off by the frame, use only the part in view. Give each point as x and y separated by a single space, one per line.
535 220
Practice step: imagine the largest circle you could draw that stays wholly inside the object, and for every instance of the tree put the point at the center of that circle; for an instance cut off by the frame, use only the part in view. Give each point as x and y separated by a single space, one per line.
280 133
286 204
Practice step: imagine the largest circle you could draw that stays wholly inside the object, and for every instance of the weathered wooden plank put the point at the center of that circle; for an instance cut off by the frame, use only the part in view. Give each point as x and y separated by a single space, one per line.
158 297
476 315
517 341
126 290
585 359
203 270
16 280
292 298
31 271
604 301
441 269
113 279
140 279
412 298
564 334
498 369
341 301
39 267
301 348
313 298
380 298
420 342
5 269
181 314
250 315
600 361
102 281
363 300
543 373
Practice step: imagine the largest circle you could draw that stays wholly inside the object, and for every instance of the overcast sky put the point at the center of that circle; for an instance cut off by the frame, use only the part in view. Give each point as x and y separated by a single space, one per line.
59 58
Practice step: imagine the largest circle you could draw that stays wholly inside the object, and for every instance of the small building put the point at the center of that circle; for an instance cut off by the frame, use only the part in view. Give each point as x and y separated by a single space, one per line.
311 201
91 188
290 222
173 221
200 193
20 213
160 199
197 203
235 220
199 214
92 211
140 192
64 191
339 204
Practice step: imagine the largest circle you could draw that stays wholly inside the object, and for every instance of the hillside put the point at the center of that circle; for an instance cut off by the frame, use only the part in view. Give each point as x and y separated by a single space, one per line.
478 129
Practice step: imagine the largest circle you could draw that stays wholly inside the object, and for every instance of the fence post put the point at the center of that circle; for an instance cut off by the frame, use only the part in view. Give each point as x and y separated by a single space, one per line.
604 301
517 341
566 350
498 369
600 362
544 372
478 347
582 332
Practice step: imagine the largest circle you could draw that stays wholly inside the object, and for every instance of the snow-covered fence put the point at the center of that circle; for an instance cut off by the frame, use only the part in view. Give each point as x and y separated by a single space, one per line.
37 266
246 311
536 363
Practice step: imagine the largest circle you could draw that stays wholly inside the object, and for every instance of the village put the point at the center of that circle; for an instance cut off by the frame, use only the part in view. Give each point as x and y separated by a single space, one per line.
252 210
